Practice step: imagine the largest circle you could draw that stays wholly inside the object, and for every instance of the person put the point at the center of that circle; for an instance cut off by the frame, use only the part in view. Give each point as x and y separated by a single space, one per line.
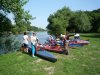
58 41
67 37
66 42
51 40
77 36
25 42
34 41
62 36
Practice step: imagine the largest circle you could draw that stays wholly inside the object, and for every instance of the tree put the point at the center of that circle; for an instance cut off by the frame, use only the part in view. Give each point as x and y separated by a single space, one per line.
21 17
94 17
58 21
5 23
72 27
79 22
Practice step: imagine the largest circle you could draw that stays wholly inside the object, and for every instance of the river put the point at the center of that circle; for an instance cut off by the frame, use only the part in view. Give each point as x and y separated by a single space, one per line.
42 36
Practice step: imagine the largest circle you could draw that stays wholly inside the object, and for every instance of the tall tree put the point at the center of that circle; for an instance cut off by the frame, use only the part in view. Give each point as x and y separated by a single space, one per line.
5 23
21 17
94 17
59 21
79 22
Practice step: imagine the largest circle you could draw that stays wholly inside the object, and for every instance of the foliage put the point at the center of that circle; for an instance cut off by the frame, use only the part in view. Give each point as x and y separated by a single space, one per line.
21 17
79 22
59 21
74 21
34 28
16 29
5 23
14 7
9 43
99 29
94 17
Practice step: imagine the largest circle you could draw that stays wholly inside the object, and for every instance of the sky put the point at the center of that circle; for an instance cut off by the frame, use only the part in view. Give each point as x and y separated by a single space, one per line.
41 9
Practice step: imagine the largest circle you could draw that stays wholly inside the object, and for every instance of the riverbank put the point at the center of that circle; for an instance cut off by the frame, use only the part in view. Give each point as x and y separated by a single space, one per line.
80 61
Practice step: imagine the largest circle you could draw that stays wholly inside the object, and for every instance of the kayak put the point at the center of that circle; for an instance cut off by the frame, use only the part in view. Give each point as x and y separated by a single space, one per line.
84 42
78 43
56 48
44 54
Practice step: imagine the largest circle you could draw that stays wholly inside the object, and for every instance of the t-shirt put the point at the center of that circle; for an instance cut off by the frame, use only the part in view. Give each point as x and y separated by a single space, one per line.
25 39
33 40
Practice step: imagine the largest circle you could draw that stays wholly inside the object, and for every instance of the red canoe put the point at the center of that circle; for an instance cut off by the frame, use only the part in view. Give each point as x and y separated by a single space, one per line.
57 49
50 48
53 48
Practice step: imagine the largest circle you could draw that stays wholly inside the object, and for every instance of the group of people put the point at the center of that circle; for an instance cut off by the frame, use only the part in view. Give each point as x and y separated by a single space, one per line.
33 40
63 39
60 39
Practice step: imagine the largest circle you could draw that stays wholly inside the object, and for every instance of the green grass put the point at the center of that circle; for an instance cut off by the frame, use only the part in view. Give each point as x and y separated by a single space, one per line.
80 61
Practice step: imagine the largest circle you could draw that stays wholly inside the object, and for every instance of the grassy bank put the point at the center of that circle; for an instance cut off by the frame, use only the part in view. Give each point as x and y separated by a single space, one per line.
80 61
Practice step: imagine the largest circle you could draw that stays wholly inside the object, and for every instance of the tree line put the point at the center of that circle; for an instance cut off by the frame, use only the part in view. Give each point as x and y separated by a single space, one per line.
73 21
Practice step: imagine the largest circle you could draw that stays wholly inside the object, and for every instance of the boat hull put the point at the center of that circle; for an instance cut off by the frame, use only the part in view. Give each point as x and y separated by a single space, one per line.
57 49
46 55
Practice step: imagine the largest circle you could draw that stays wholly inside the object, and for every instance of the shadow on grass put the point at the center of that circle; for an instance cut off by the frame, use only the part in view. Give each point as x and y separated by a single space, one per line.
91 35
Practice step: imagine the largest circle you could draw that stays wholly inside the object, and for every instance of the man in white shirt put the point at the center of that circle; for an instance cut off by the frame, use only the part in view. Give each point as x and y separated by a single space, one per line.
25 42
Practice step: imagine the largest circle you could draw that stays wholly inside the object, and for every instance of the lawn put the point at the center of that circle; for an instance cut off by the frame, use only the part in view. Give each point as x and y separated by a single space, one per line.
80 61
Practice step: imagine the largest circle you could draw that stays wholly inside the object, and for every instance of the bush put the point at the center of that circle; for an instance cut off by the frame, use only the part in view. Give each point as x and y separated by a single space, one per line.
99 29
9 43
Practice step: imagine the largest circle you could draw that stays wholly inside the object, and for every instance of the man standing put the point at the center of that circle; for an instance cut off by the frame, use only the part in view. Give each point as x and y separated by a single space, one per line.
34 42
25 42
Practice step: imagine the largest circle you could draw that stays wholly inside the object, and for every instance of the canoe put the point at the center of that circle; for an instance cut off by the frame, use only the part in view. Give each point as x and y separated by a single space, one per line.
78 43
56 48
53 48
84 42
44 55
